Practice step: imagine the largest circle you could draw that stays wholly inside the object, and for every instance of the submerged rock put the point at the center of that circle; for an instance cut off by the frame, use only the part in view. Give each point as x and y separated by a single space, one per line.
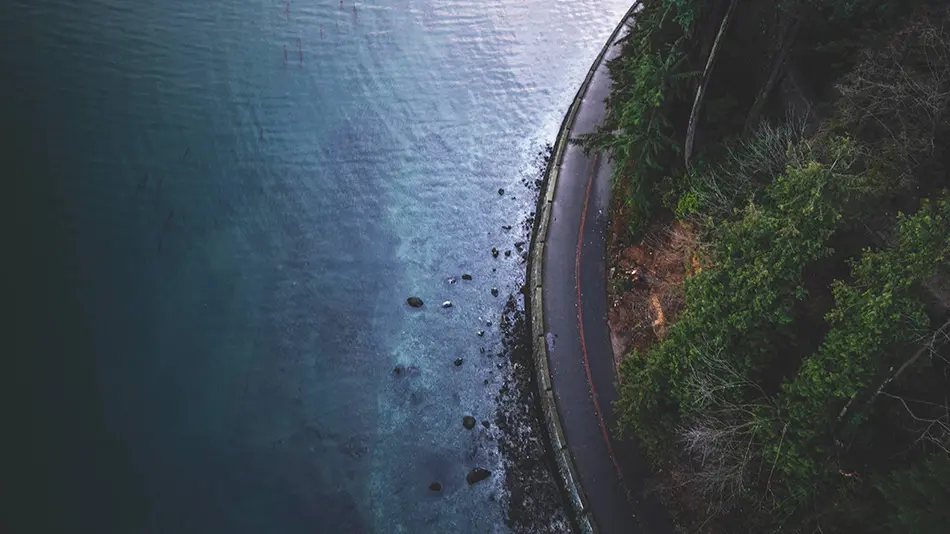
494 291
451 280
458 362
494 252
415 302
468 422
519 244
485 423
480 333
501 191
466 276
435 486
477 475
507 253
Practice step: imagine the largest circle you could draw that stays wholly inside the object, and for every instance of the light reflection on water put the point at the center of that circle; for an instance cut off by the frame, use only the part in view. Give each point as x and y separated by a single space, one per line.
304 168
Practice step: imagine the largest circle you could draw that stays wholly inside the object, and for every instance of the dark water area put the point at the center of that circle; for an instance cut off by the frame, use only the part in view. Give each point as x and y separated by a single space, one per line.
219 209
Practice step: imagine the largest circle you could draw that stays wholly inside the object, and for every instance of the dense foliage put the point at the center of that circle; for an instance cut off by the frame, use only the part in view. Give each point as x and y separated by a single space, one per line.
803 387
876 310
639 130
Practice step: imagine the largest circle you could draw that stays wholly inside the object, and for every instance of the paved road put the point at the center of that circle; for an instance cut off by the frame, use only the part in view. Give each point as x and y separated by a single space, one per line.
574 301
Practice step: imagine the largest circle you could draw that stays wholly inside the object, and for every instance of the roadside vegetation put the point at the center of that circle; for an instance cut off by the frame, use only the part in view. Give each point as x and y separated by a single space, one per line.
781 208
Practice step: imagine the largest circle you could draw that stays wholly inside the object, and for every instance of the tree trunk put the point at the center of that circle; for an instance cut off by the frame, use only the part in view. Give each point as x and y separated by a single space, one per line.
778 65
701 90
709 32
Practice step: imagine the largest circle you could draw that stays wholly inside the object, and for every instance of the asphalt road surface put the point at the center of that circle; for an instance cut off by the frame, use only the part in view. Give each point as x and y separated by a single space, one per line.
574 300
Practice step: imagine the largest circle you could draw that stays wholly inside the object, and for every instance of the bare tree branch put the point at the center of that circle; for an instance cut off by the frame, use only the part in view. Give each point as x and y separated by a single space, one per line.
938 337
937 431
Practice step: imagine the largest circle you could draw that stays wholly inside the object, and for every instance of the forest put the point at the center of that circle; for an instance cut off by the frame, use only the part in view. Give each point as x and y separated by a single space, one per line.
784 165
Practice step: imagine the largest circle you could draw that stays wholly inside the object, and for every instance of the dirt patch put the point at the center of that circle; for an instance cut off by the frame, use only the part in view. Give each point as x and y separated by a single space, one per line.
645 281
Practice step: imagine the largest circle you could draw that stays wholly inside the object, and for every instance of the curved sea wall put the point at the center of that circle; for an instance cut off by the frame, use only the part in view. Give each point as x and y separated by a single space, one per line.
562 456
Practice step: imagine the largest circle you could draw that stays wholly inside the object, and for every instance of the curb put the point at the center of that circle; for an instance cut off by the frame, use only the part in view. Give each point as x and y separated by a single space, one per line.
562 456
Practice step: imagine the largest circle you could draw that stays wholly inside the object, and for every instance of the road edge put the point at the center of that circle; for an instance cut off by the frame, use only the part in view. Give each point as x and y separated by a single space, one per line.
558 444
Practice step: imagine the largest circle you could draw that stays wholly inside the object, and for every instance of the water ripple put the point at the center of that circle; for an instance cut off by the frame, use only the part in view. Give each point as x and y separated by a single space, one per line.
242 195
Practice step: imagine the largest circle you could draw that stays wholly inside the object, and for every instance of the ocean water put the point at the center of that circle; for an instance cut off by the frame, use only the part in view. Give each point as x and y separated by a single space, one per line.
223 207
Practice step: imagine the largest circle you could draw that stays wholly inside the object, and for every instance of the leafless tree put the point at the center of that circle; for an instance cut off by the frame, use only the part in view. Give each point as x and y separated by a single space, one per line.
903 90
756 159
722 435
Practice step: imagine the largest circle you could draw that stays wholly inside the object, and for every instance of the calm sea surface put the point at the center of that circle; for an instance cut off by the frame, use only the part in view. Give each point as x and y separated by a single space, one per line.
228 203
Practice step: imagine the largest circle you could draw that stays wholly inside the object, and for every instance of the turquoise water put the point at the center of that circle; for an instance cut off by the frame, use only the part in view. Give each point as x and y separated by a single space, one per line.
229 203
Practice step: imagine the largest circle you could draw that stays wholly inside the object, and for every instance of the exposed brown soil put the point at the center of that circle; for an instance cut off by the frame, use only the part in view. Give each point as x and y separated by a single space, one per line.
645 294
645 281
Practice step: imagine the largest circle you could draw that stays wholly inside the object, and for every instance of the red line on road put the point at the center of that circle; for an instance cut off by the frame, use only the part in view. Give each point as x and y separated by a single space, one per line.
580 320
